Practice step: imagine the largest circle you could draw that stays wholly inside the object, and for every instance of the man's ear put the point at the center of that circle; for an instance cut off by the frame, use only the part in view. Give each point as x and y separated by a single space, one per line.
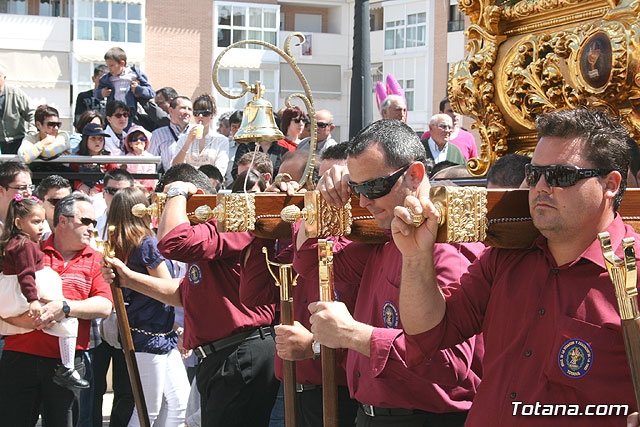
199 191
612 184
332 127
415 174
267 177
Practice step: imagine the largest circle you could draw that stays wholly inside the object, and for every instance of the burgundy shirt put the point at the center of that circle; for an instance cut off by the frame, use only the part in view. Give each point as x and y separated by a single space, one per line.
258 287
552 334
23 258
210 290
445 383
81 279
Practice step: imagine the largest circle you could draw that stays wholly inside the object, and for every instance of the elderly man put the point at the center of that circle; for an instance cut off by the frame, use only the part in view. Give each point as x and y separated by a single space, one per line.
437 393
16 115
324 120
30 360
548 312
437 145
459 137
164 139
394 107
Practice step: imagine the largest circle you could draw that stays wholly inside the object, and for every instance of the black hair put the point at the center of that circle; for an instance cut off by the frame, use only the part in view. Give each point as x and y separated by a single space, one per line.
113 106
335 152
235 117
100 69
51 181
174 101
187 173
117 175
9 171
254 178
167 92
44 111
508 171
213 172
604 136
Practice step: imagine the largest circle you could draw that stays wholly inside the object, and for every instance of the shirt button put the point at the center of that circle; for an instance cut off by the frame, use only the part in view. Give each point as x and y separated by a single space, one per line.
527 353
358 374
304 300
513 395
541 312
555 271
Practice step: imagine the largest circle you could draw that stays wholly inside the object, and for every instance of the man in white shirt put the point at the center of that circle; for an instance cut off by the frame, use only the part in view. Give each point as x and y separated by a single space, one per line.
163 140
437 145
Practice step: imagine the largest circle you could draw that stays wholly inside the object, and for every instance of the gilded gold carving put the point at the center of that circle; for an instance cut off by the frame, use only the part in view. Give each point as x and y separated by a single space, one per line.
333 221
463 211
239 211
505 86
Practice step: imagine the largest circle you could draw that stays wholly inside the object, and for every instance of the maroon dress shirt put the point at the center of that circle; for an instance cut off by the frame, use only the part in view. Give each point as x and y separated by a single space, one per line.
552 335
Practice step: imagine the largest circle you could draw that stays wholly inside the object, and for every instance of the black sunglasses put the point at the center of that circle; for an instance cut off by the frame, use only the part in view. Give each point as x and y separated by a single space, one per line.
203 113
53 201
322 125
297 120
110 190
559 175
121 115
140 138
54 124
378 187
85 221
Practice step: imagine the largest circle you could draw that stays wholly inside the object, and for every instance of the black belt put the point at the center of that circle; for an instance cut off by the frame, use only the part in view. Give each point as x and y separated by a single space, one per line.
205 350
306 387
374 411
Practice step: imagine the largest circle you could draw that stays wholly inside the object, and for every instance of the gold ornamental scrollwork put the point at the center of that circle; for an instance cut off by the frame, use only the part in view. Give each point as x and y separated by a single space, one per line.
239 212
463 213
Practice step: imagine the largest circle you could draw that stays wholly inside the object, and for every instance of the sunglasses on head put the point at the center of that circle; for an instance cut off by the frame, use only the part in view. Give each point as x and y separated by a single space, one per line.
203 113
121 115
85 221
54 124
378 187
110 190
322 125
138 138
559 175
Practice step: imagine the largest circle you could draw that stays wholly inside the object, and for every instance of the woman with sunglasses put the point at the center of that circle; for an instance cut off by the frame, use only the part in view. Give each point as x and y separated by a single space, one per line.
117 113
291 124
203 145
136 143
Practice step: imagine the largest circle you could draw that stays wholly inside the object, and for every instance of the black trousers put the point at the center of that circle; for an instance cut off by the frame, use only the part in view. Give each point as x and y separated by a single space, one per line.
237 385
310 408
26 386
122 394
424 419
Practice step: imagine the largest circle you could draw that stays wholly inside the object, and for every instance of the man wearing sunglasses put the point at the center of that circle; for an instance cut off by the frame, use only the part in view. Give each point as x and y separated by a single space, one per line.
324 119
548 312
385 164
49 142
15 178
30 360
50 191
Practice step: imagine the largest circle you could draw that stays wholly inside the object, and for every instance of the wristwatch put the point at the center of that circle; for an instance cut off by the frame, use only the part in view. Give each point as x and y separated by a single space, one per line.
66 309
175 191
316 350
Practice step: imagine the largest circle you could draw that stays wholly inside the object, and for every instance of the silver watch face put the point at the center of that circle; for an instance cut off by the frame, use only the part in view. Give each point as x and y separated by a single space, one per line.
174 191
316 347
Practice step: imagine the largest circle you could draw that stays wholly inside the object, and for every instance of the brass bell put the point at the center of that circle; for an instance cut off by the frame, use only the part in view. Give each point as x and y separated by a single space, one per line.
258 124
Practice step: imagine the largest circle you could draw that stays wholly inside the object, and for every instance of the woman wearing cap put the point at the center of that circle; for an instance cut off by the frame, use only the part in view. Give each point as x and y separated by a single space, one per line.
203 145
92 144
137 143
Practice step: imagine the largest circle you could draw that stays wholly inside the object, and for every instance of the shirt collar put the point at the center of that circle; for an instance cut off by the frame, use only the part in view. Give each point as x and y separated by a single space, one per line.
47 246
434 147
594 252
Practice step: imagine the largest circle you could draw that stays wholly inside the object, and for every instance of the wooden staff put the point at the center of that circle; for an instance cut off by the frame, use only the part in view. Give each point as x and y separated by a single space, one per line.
327 354
285 281
624 275
125 336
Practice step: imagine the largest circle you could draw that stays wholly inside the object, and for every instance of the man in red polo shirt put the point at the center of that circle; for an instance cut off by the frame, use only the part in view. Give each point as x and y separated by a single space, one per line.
30 360
554 353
